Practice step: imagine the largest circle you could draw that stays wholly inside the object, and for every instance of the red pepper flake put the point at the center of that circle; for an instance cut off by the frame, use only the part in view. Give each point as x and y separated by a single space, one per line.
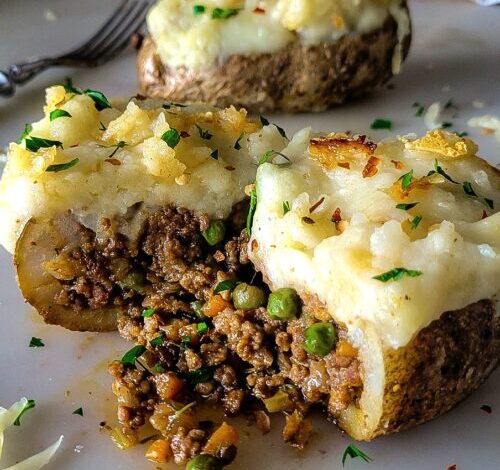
307 220
185 134
113 161
344 165
452 467
140 97
370 168
336 216
485 215
316 205
397 164
259 10
254 245
230 168
486 408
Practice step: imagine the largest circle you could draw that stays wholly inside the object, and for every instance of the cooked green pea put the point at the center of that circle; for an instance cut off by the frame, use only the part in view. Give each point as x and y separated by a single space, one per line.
197 307
320 339
215 232
204 462
283 304
246 297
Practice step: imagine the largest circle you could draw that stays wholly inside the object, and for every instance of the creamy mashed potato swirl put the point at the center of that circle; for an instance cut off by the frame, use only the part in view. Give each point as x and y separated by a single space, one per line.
123 161
193 38
359 210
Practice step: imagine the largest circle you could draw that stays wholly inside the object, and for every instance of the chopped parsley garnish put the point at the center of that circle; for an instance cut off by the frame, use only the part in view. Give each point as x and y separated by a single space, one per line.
172 104
438 169
178 413
223 13
380 123
27 129
396 274
446 125
264 121
68 86
406 207
489 202
420 109
237 145
416 220
186 341
202 328
281 131
78 411
468 189
462 134
198 9
102 127
286 207
36 343
197 376
100 101
229 284
406 180
251 210
204 134
215 154
148 312
158 341
118 146
131 355
269 155
171 137
29 404
353 452
33 144
158 368
62 166
58 113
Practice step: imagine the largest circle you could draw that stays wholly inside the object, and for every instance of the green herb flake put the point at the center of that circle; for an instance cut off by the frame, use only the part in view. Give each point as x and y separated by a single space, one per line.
62 166
270 155
353 452
467 187
438 169
380 123
171 137
33 144
251 210
118 146
416 220
100 101
286 207
204 134
197 376
406 179
223 13
148 312
228 284
396 274
406 207
215 154
264 121
420 109
462 134
27 129
78 411
131 355
102 127
158 341
202 328
237 145
446 125
29 404
199 10
159 368
36 343
69 88
58 113
281 131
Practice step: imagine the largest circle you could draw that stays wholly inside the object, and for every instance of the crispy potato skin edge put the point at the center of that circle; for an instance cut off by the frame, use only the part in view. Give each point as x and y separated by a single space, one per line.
298 78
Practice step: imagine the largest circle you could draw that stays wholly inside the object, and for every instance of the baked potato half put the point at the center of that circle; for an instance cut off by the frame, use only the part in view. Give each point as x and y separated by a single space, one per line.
302 75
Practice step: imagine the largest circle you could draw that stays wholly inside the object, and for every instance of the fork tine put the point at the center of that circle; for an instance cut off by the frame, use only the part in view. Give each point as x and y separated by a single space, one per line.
123 39
115 19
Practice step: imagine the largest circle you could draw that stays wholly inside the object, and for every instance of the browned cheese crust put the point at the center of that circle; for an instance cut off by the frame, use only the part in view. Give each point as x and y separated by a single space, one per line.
440 367
297 78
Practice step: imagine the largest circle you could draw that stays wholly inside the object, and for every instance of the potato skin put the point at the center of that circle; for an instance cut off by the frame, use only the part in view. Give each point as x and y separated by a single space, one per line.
297 78
440 367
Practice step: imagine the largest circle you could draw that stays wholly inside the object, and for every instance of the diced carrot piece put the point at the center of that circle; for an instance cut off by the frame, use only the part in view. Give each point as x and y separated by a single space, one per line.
345 349
159 451
224 436
168 385
215 305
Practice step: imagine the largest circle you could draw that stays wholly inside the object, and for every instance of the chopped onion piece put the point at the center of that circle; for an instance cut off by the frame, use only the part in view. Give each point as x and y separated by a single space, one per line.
7 417
39 460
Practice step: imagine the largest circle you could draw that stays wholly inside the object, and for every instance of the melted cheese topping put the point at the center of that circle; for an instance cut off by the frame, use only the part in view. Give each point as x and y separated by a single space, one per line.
264 26
145 170
456 244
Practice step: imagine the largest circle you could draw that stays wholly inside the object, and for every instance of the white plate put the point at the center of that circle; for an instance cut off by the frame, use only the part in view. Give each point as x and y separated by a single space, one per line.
455 55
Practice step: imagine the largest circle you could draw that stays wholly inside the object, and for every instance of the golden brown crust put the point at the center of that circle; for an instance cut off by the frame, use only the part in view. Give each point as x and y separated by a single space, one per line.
297 78
440 367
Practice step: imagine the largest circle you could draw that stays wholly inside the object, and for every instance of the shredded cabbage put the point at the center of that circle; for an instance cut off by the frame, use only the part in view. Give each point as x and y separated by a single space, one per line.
35 462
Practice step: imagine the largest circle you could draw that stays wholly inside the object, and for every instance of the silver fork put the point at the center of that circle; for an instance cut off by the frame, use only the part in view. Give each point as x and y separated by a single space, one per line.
114 35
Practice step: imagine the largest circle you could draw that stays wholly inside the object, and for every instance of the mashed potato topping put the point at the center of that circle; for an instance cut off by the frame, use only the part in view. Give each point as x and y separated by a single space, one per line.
420 214
187 34
114 158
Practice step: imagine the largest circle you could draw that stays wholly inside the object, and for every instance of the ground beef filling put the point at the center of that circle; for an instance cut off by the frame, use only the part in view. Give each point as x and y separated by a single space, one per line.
241 359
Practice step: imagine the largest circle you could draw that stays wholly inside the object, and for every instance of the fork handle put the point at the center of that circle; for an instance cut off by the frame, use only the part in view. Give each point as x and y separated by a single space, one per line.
7 85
